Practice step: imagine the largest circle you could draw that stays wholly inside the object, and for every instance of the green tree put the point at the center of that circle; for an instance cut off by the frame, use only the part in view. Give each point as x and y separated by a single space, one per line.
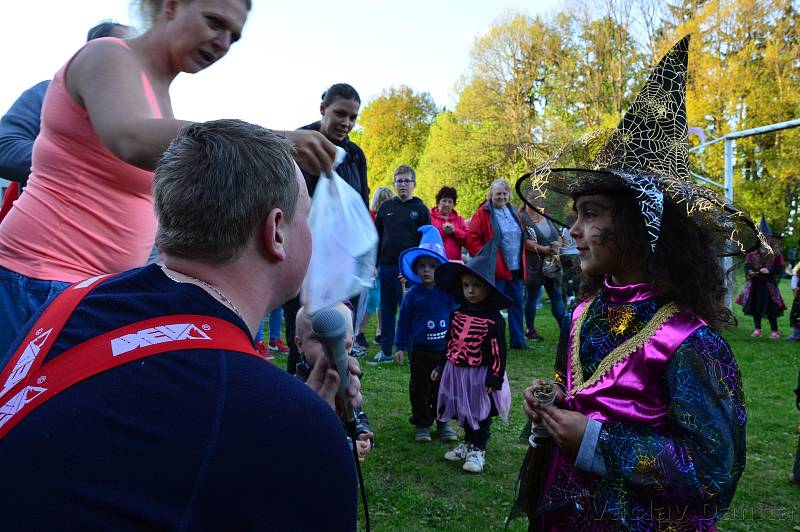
456 156
744 73
394 129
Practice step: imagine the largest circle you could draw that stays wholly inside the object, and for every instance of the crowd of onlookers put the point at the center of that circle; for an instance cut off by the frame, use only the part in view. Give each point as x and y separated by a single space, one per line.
151 218
535 256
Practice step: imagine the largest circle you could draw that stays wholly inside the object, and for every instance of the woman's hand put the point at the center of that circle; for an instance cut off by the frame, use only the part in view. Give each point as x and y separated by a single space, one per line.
435 376
312 151
566 427
448 228
398 357
765 271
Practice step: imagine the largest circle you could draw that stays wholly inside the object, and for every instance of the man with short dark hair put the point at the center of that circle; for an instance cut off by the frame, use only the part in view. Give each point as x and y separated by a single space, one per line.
204 434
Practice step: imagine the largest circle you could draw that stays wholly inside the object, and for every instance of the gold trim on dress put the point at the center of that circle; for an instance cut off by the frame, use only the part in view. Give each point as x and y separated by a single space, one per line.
620 353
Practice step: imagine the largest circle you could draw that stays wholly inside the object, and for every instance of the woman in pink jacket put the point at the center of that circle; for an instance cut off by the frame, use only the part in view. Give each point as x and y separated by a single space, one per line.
451 226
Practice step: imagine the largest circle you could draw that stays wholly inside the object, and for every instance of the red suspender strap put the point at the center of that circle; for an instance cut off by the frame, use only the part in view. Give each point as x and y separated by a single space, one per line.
34 348
28 383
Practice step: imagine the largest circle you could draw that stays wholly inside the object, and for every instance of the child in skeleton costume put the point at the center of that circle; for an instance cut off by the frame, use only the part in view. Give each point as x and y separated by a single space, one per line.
474 387
648 431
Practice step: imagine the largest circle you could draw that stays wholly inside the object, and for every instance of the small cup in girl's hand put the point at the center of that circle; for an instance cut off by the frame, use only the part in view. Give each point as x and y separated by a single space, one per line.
545 394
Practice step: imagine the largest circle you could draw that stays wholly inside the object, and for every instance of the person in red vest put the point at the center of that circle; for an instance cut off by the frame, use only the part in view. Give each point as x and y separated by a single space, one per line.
136 401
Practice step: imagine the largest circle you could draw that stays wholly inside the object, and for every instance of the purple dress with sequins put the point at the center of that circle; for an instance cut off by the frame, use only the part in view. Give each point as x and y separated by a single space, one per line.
668 393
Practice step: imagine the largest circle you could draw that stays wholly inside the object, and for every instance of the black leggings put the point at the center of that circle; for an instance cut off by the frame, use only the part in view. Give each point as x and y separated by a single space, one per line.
479 438
773 322
421 389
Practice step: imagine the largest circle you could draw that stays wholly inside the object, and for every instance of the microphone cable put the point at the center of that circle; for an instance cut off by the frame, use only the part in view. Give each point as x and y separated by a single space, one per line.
351 431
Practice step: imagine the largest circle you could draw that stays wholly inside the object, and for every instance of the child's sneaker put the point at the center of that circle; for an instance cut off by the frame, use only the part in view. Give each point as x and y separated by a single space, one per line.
794 337
278 345
475 461
756 333
422 434
445 431
459 453
380 358
359 351
774 335
361 340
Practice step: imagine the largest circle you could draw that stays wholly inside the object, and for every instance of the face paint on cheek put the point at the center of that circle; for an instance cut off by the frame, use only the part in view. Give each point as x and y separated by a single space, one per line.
602 236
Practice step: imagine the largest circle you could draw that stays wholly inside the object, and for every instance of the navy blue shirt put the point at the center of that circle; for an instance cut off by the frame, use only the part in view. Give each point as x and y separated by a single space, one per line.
424 319
187 440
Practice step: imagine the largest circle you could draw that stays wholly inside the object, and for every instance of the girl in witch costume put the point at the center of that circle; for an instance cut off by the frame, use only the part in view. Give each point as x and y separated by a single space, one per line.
648 430
760 296
474 387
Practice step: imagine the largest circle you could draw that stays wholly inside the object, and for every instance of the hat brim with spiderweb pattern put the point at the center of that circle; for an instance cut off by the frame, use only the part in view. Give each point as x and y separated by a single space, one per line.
647 156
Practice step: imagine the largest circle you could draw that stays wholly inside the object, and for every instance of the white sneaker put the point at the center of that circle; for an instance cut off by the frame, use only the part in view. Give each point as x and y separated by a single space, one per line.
458 454
474 461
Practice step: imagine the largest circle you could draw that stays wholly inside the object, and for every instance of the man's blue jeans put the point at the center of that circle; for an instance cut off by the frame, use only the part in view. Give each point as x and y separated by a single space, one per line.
391 297
513 289
553 287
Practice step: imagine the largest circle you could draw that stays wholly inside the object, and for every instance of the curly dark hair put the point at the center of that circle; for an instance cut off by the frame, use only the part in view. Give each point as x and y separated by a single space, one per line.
447 192
681 269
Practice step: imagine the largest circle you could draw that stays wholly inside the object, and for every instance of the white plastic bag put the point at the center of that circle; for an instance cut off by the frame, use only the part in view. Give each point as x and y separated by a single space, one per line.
344 243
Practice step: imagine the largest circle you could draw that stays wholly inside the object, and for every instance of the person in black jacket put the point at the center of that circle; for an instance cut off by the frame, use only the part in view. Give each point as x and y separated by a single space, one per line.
339 109
397 223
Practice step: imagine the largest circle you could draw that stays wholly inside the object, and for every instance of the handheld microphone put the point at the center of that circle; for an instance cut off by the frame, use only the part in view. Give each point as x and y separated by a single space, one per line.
330 327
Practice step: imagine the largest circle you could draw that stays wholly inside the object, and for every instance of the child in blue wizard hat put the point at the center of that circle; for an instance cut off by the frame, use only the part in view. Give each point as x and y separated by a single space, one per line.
421 328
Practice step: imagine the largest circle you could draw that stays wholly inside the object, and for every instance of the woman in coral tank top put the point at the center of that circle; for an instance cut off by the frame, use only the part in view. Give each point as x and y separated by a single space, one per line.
106 119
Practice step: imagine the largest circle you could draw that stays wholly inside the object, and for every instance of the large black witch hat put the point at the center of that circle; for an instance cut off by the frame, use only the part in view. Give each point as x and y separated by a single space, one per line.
647 154
482 266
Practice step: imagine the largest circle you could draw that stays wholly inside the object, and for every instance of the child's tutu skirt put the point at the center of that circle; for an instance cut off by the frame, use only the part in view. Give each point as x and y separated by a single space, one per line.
462 396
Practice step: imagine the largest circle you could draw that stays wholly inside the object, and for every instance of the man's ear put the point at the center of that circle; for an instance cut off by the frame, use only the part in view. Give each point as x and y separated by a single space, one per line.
170 6
299 343
274 235
322 109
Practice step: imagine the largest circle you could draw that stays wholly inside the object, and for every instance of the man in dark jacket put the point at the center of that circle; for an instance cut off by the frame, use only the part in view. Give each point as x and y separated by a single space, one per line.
397 222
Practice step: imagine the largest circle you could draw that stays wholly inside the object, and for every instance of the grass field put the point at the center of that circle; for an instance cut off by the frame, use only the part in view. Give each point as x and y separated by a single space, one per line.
411 487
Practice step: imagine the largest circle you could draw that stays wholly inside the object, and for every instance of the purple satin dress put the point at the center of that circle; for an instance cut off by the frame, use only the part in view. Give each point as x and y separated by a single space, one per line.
668 393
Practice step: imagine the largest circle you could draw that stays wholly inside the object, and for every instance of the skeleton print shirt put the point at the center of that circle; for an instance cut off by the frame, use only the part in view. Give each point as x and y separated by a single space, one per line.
477 337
